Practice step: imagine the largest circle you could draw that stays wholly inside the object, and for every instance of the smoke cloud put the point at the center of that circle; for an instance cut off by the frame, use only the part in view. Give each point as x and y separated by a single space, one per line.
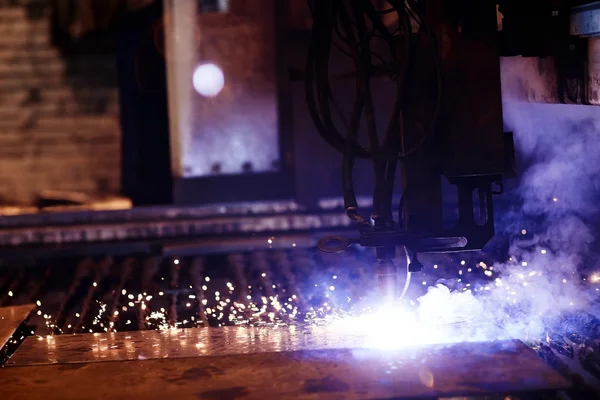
552 271
547 275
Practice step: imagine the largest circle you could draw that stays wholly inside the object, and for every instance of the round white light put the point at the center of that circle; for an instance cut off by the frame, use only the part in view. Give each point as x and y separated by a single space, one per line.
208 80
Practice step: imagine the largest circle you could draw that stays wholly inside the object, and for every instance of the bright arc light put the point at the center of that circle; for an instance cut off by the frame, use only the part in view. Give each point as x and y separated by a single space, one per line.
208 80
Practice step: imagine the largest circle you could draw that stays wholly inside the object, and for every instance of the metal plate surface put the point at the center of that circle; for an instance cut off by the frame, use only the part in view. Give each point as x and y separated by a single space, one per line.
193 342
179 343
457 370
10 319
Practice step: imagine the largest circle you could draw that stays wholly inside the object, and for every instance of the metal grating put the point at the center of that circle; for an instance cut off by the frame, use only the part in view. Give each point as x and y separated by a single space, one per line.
138 292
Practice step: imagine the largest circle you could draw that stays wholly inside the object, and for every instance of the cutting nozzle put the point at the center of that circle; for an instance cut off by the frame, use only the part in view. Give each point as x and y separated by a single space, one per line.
387 278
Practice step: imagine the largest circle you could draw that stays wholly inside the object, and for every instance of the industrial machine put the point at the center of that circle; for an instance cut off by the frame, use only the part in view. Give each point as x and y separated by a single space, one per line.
260 118
445 120
443 114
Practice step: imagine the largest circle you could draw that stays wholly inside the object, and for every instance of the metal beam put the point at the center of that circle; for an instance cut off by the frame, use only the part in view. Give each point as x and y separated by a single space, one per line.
585 20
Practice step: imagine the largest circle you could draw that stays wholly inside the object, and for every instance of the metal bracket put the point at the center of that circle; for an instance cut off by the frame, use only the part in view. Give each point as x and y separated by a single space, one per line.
466 235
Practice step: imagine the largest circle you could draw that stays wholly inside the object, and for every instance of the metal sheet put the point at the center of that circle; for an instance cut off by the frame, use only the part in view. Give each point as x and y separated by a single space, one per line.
10 319
461 369
193 342
179 343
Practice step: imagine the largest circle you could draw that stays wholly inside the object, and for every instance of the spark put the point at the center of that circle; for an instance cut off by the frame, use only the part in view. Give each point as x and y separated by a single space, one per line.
393 327
419 321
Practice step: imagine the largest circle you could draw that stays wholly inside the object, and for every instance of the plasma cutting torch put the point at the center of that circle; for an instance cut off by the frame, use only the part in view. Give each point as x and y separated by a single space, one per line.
445 120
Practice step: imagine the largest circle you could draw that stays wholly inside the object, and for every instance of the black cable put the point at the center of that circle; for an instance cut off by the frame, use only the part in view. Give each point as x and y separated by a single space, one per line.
347 20
390 144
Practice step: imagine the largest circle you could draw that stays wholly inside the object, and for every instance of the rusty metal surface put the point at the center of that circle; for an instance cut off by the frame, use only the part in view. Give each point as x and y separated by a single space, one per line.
148 213
529 79
10 319
535 80
192 342
178 343
168 228
462 369
594 70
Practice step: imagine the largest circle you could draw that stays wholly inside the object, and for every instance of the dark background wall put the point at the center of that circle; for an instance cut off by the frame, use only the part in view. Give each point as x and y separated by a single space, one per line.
59 114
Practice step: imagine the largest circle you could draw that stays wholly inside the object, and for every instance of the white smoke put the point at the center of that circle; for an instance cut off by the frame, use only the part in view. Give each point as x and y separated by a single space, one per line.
547 276
561 142
560 145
